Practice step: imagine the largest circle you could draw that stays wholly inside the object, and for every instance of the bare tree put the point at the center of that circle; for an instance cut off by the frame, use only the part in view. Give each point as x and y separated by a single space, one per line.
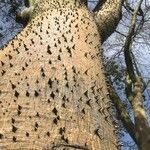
134 83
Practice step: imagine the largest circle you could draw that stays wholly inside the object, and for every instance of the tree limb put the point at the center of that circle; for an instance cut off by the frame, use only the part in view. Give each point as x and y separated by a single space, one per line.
107 15
99 5
25 15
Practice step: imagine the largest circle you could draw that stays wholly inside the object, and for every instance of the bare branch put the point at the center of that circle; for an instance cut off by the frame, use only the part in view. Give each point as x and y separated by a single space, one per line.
135 88
99 5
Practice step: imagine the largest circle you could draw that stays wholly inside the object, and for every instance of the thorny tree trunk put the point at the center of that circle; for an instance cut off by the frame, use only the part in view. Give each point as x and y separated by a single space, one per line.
53 92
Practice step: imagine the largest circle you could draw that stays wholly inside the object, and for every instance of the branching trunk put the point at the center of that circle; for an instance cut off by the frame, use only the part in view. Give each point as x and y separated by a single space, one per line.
107 15
53 93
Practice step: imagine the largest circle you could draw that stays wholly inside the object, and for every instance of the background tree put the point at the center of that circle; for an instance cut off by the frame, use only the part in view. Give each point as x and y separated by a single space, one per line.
130 49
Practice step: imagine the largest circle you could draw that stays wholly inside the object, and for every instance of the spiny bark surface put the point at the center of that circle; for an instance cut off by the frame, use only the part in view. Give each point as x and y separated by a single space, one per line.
53 92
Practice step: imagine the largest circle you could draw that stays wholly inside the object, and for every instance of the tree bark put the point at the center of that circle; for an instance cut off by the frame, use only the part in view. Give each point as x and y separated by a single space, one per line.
107 15
53 93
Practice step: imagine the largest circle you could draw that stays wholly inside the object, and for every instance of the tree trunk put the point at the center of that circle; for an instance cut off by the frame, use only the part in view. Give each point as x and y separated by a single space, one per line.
53 93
